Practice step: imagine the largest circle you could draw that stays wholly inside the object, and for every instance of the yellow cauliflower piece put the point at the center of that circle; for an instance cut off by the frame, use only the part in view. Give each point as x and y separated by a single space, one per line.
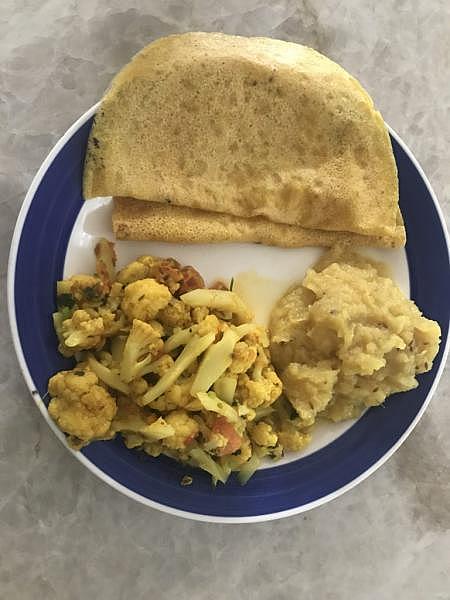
175 314
83 331
113 322
210 324
142 346
143 299
258 337
132 272
263 434
262 361
165 270
199 313
85 290
151 262
264 391
243 358
138 387
177 396
186 428
79 406
163 364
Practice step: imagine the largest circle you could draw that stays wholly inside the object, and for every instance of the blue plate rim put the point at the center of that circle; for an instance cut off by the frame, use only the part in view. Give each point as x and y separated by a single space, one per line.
91 466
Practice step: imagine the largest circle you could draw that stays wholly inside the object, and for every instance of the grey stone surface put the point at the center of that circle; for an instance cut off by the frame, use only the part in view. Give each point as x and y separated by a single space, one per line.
66 535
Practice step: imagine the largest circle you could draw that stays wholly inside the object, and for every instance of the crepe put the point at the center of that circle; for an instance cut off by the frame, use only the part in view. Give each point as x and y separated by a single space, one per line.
137 220
246 127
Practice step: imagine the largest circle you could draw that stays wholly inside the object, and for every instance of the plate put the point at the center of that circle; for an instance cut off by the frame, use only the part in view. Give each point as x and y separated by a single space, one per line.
54 237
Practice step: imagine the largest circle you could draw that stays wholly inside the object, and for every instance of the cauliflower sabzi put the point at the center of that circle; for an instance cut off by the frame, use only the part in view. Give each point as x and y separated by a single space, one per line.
171 366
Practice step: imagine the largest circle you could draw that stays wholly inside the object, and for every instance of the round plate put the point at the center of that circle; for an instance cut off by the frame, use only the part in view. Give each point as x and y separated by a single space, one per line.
54 235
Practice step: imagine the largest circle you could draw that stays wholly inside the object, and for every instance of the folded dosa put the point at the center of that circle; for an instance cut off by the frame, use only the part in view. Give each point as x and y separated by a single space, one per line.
138 220
246 127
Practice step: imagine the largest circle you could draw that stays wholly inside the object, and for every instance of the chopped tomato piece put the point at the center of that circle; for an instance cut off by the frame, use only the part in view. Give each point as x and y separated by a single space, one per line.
222 426
190 439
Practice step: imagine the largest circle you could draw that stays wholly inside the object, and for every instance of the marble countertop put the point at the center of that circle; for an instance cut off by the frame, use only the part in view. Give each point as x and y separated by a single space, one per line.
66 535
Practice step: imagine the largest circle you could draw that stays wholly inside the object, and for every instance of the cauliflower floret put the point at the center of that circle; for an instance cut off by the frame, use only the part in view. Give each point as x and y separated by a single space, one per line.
143 345
186 428
177 396
263 434
175 314
143 299
163 364
243 358
258 337
113 322
210 324
83 331
82 290
220 301
79 406
132 272
261 392
262 361
164 270
198 313
169 272
138 387
152 262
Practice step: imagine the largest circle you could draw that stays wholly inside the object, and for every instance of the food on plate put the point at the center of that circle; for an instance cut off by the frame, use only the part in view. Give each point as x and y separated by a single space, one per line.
173 367
347 337
180 369
206 137
139 220
246 127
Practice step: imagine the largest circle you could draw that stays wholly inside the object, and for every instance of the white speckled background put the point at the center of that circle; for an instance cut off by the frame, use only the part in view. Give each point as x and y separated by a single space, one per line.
64 534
